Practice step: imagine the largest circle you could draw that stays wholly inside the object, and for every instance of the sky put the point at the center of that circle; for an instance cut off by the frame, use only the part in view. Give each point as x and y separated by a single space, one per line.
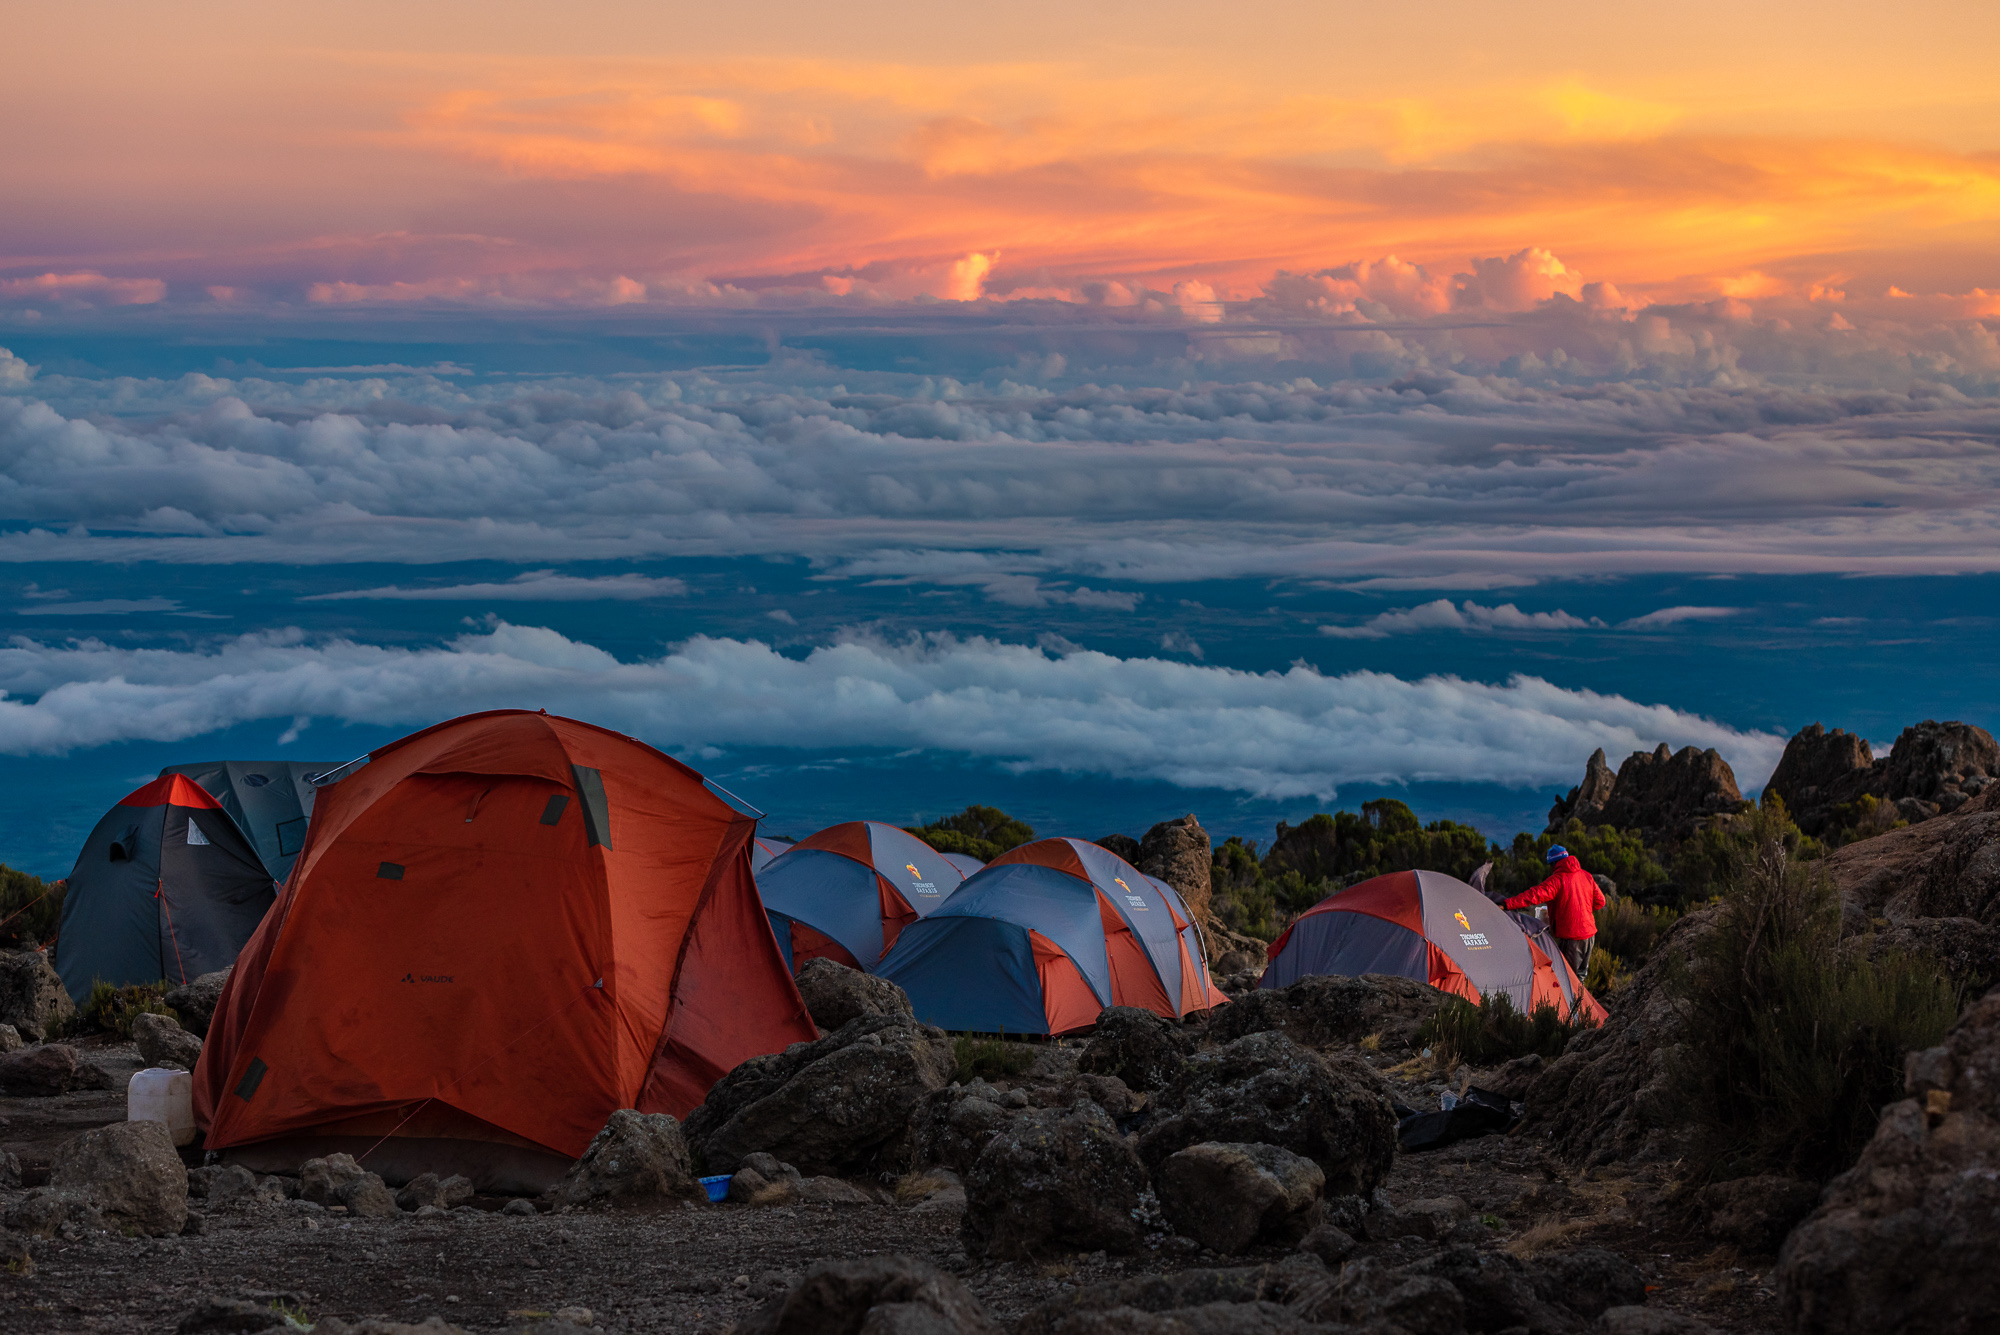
1113 413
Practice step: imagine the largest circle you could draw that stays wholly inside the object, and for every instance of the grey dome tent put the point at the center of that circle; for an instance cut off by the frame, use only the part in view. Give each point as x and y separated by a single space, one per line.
166 887
270 801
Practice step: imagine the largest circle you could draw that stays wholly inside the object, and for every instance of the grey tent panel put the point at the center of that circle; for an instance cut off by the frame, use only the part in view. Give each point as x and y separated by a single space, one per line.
270 801
160 891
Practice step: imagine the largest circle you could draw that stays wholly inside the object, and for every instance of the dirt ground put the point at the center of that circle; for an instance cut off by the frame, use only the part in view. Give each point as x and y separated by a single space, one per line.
700 1267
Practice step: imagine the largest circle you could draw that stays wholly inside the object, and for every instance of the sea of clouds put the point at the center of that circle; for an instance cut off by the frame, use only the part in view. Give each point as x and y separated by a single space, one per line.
1355 430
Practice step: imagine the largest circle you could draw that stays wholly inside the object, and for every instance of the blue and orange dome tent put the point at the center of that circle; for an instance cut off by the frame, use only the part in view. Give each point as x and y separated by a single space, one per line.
1438 930
845 893
1045 938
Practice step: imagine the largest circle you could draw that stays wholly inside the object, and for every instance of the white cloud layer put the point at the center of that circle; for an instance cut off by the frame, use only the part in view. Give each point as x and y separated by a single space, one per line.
1444 615
1274 735
1669 616
533 586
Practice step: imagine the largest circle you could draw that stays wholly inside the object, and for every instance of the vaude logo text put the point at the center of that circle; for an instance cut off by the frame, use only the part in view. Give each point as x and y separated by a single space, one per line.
426 977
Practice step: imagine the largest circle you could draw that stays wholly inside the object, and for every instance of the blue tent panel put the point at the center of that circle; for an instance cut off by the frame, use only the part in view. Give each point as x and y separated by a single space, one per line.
969 973
830 893
1051 902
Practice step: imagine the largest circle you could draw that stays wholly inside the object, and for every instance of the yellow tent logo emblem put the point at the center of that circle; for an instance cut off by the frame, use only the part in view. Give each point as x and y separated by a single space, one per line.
911 868
1463 921
1121 884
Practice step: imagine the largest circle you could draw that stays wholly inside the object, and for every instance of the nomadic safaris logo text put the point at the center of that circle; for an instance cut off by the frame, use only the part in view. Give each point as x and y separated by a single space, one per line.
917 881
1136 900
1473 940
426 978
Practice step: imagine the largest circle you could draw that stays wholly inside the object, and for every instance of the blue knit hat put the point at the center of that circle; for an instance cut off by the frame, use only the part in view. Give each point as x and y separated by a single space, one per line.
1558 853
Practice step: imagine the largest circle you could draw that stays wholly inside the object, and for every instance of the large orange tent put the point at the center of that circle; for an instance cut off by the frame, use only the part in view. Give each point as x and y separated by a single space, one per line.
500 930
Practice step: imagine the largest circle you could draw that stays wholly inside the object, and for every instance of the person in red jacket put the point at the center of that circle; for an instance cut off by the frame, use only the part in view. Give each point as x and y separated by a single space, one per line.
1575 897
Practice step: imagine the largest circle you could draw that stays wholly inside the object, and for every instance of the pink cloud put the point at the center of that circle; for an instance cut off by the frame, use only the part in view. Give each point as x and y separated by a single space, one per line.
85 289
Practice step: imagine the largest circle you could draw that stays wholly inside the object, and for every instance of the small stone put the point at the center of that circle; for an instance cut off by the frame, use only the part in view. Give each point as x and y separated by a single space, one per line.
520 1207
163 1043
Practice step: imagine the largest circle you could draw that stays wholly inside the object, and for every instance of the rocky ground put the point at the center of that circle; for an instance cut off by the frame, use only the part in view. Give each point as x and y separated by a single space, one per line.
687 1266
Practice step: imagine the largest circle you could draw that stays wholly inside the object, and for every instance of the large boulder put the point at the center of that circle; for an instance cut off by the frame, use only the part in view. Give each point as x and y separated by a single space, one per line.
129 1173
1586 801
1180 853
1940 765
636 1157
31 994
845 1105
882 1295
1819 771
1607 1098
1137 1046
195 1000
1054 1180
1668 795
835 994
162 1042
1231 1197
1933 769
1904 1241
1327 1011
46 1069
1266 1089
1755 1213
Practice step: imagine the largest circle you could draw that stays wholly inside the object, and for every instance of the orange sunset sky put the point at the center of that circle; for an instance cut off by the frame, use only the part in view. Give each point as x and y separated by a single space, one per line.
603 153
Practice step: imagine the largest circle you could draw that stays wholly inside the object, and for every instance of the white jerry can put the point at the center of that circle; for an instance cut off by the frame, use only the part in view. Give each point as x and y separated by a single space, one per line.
160 1095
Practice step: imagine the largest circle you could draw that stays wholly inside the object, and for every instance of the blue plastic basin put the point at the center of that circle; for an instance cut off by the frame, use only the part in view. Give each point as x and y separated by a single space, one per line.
716 1187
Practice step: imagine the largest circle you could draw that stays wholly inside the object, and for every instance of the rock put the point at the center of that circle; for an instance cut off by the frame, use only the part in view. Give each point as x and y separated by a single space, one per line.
1330 1243
130 1173
368 1197
1265 1089
1054 1180
957 1125
1933 768
1369 1290
46 1069
832 1191
881 1295
1818 772
1755 1213
1499 1291
1106 1091
1221 1301
835 994
1588 1280
10 1038
195 1000
1431 1219
31 995
39 1214
1512 1080
425 1189
162 1042
1228 1197
520 1208
1587 800
230 1185
1941 763
1648 1321
1606 1099
1180 853
10 1170
321 1180
1667 796
1138 1047
1327 1011
846 1104
636 1157
1124 845
1904 1240
222 1315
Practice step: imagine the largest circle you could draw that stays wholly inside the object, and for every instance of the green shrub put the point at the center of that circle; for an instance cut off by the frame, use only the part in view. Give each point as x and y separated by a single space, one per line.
1493 1031
1629 930
1619 855
1801 1043
111 1010
1605 973
1854 821
988 1056
980 832
30 908
1239 894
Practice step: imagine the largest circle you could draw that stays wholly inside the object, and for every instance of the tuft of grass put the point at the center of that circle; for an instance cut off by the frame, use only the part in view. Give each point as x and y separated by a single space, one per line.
1545 1235
987 1056
111 1010
1493 1031
914 1187
1802 1042
1605 974
1372 1042
1629 930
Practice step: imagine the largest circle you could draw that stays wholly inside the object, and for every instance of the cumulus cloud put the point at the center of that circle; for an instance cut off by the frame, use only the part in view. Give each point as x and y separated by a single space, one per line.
1669 616
538 586
84 289
1271 734
1444 615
